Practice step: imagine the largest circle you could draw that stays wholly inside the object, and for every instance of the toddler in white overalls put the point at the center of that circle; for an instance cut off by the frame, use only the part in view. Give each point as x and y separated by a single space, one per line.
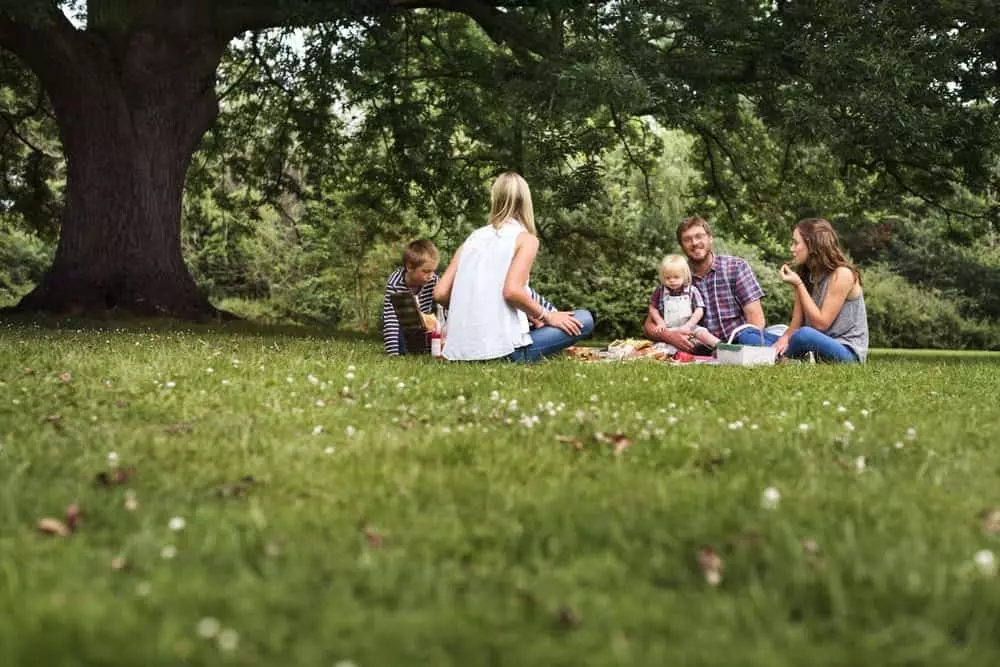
677 304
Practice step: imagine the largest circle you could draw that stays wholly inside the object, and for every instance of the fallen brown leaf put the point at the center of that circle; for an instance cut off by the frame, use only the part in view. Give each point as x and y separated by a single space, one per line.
72 516
51 526
115 477
711 566
237 490
619 441
566 618
65 376
575 443
119 563
373 538
54 419
407 424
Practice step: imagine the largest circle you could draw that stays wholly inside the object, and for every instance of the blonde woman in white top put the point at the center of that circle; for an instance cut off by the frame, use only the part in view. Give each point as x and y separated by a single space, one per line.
490 311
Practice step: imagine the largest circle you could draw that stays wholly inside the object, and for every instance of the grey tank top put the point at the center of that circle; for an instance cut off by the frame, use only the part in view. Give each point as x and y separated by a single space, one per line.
850 327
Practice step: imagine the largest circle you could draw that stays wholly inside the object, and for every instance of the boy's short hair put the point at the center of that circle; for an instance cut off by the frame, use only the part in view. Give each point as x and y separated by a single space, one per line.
676 262
419 252
688 223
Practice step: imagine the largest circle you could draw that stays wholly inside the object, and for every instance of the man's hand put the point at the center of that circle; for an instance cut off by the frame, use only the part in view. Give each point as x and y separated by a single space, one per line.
678 339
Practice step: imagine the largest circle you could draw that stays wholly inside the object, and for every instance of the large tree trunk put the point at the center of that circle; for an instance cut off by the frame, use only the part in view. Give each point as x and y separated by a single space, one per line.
130 116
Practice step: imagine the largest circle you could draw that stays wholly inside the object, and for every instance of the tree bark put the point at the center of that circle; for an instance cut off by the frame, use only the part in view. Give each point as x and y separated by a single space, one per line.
131 114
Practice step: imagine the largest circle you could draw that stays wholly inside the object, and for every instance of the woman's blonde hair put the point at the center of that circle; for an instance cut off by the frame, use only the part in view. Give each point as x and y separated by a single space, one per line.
678 262
510 198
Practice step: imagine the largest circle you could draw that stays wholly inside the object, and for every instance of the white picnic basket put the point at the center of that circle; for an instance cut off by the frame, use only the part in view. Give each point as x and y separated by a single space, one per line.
745 355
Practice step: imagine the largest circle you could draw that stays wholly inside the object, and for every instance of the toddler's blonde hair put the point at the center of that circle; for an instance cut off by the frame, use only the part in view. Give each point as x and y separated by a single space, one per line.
678 262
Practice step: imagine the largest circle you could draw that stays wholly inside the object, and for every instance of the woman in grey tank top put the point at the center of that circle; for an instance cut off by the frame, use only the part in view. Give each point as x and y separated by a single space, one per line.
829 317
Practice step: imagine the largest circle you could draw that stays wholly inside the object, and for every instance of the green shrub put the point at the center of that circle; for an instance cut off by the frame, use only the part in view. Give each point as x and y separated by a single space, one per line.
23 259
904 315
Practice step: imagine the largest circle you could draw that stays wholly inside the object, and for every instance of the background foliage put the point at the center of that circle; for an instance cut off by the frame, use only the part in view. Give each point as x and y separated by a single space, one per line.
339 143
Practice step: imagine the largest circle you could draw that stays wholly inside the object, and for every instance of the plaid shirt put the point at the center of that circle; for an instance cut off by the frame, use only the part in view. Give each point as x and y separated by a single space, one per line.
728 286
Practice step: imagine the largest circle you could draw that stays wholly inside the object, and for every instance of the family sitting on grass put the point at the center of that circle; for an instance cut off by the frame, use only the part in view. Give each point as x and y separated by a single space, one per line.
703 298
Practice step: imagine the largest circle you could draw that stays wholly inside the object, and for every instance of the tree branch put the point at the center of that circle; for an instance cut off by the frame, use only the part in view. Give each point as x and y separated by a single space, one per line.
44 40
502 27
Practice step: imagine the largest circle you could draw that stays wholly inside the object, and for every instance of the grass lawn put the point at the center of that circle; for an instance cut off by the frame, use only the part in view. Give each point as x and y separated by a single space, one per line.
412 512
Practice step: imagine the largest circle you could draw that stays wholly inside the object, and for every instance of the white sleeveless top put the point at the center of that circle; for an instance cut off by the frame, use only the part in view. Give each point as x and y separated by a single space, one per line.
481 324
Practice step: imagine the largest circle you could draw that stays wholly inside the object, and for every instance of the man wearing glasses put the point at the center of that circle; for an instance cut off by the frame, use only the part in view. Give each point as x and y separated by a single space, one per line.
729 287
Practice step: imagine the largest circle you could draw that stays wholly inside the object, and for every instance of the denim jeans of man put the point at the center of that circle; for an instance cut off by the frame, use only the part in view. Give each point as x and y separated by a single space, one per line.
751 336
547 340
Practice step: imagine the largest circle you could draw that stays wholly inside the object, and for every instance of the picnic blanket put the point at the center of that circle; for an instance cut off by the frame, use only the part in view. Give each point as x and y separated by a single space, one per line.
633 349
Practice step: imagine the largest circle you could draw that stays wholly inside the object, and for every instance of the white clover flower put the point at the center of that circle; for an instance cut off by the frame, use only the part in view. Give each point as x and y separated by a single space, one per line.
143 589
312 379
208 627
351 368
400 385
841 409
349 375
329 450
112 458
349 431
319 403
826 404
177 524
494 395
209 370
671 420
594 398
171 384
226 382
168 552
848 426
317 429
460 399
754 427
911 433
736 425
860 464
228 639
770 499
985 562
289 379
865 412
898 444
447 429
803 427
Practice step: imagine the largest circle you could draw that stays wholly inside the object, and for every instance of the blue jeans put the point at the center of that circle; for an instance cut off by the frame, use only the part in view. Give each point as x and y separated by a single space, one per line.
807 339
752 337
546 341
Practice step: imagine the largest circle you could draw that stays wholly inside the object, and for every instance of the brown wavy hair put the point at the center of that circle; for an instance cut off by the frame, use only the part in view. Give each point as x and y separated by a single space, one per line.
825 254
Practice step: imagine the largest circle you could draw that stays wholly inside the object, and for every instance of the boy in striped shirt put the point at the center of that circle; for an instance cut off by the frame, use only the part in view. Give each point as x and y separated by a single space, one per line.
418 276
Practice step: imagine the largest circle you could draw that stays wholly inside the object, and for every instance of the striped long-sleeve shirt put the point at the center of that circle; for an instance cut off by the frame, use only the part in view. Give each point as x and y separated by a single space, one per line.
391 333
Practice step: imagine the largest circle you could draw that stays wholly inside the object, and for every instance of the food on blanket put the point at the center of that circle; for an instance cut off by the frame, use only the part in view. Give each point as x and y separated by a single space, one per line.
583 353
429 320
634 343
